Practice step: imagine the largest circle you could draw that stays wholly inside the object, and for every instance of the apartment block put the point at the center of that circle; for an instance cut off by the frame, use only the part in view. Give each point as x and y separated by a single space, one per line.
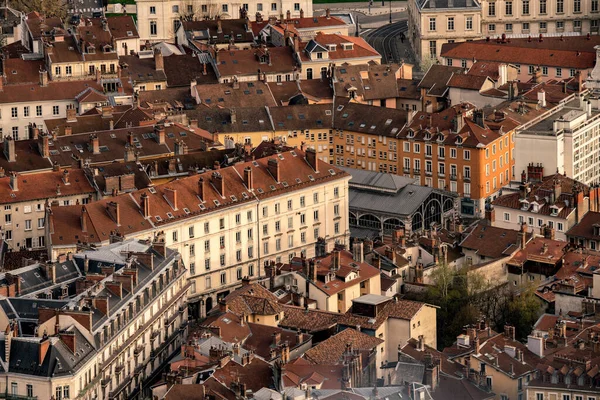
227 223
106 321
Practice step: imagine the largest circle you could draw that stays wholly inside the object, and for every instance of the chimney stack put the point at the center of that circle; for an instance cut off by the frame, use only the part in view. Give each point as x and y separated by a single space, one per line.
43 78
145 200
95 143
219 25
202 189
219 183
9 149
159 62
160 134
273 166
71 114
14 181
311 158
44 146
248 178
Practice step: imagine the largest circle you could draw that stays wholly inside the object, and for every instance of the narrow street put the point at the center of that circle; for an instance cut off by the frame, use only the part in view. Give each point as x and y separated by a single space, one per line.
387 41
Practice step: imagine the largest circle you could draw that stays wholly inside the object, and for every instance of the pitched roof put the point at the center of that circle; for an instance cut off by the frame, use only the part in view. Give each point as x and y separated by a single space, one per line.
491 242
247 62
360 48
393 308
587 227
330 351
436 79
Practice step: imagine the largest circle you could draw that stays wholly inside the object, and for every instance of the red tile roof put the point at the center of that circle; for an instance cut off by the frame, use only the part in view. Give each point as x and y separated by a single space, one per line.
330 351
360 47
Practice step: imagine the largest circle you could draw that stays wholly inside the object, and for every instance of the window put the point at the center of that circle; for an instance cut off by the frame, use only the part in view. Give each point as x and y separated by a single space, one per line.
223 278
266 247
577 25
467 154
15 132
250 233
14 112
469 23
204 8
526 7
507 217
40 224
265 229
265 211
8 235
433 48
38 111
290 241
29 390
525 26
450 23
558 72
207 264
238 255
152 10
175 9
206 227
153 28
273 6
57 70
296 6
250 252
336 192
302 202
559 226
222 223
277 244
544 69
577 6
224 8
207 282
492 9
336 228
560 6
509 8
543 9
259 7
15 389
191 232
491 28
222 242
192 268
488 382
249 216
59 393
432 24
594 5
192 250
222 260
26 111
508 27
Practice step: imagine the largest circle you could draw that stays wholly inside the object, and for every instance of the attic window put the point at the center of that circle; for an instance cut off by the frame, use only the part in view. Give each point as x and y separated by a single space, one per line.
158 218
186 210
152 190
394 130
65 148
459 140
284 184
259 190
129 33
388 122
170 215
255 163
245 196
202 207
280 156
298 180
259 91
146 135
272 187
327 112
340 108
293 153
311 178
233 198
332 172
217 203
103 149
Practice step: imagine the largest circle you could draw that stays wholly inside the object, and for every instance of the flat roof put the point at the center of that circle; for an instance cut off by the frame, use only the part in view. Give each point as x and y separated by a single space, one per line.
372 299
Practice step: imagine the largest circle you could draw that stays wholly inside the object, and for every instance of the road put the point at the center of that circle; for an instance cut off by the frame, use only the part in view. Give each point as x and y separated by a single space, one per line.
386 40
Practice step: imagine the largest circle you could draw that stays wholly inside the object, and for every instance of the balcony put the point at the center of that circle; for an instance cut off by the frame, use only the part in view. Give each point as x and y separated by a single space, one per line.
417 171
428 156
105 381
467 179
453 177
119 368
441 175
138 350
406 170
428 173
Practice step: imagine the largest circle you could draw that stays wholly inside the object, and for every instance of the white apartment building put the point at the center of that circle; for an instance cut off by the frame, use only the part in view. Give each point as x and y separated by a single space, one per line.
226 223
534 17
431 23
106 322
566 139
159 20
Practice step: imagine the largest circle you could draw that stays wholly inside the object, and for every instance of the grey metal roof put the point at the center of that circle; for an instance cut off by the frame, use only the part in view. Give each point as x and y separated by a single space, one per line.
403 203
313 45
379 181
441 4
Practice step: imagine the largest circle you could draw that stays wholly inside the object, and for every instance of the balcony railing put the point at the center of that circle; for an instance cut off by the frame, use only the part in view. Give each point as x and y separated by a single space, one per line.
452 177
9 396
417 171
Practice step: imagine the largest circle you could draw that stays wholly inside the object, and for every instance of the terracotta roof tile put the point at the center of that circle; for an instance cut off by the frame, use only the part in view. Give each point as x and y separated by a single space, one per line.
330 351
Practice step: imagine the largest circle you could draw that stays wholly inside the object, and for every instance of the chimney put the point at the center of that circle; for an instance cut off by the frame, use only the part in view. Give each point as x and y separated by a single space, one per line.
311 159
65 177
43 78
43 349
219 183
83 219
219 25
523 236
335 260
233 115
541 95
68 130
202 189
9 149
44 146
273 166
357 251
535 345
113 210
248 178
159 62
288 15
171 196
301 13
159 131
71 114
312 270
68 339
35 132
327 13
14 181
95 143
129 153
537 75
276 339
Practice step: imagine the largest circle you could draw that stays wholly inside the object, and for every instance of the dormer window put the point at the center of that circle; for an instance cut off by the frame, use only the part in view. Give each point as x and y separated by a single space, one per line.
535 207
554 211
411 134
348 46
91 49
319 55
441 137
331 47
596 228
427 136
524 205
459 140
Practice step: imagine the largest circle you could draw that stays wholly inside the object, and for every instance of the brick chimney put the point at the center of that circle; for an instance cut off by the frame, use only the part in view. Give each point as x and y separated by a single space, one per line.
145 202
68 130
202 189
129 153
171 196
219 183
335 260
301 13
273 167
9 149
43 349
44 146
95 143
159 62
219 25
248 181
160 134
65 177
113 210
68 339
71 114
311 159
83 220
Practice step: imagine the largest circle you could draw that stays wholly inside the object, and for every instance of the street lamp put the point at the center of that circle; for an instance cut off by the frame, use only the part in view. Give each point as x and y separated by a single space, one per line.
390 11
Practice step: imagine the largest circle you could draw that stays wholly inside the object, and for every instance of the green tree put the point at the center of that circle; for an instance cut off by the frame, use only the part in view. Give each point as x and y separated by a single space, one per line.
49 8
